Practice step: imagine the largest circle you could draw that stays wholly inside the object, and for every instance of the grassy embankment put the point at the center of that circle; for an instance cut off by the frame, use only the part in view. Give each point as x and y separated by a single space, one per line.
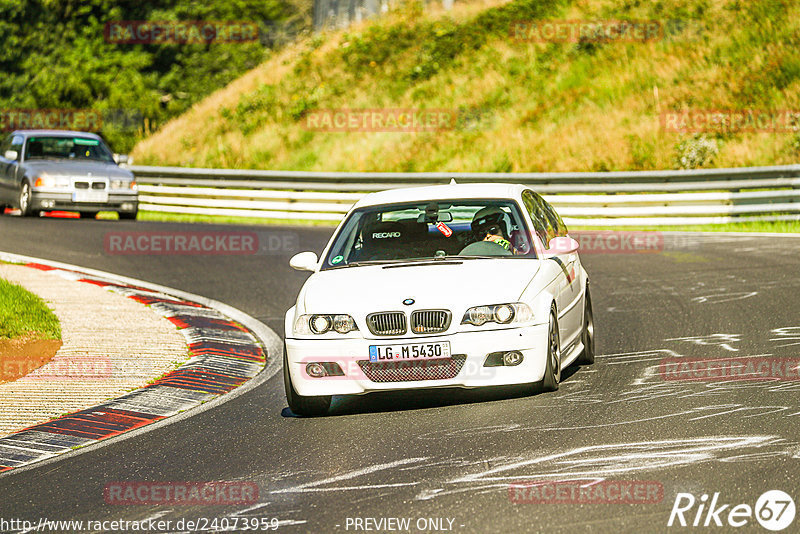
23 314
527 106
522 106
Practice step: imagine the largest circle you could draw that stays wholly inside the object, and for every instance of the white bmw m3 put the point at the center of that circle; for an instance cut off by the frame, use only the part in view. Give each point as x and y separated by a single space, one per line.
463 285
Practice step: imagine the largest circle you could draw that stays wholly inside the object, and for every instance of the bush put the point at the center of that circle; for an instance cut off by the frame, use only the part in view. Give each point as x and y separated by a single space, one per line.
696 151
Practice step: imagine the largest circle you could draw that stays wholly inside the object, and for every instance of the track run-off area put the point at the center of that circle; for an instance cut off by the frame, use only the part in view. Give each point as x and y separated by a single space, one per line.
646 415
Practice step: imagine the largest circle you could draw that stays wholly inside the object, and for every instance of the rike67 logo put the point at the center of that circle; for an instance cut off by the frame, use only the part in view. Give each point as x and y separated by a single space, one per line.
774 510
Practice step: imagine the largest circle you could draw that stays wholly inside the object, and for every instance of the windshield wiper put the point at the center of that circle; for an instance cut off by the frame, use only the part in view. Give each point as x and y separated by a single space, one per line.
452 260
363 263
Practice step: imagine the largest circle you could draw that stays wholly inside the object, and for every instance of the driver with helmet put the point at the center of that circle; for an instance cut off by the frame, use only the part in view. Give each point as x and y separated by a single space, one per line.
490 229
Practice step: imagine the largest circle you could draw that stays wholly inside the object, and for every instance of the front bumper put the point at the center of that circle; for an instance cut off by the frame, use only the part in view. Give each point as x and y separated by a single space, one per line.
123 201
350 354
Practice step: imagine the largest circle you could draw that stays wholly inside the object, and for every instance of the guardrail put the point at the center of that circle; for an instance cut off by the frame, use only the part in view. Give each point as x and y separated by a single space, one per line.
661 198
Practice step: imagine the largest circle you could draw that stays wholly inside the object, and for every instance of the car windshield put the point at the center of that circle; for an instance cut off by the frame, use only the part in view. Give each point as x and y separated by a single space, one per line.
431 230
61 147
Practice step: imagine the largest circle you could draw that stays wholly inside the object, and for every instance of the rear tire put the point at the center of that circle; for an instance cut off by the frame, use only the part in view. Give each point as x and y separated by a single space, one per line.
299 404
587 356
552 371
25 199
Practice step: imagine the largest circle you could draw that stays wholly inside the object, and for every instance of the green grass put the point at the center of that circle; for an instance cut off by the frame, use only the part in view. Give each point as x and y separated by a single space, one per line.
519 106
24 314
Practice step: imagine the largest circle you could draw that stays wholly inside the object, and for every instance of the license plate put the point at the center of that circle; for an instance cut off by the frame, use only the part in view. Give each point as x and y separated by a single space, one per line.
90 196
409 351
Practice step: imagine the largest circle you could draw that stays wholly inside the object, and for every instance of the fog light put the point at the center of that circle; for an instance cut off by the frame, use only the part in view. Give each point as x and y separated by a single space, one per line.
127 207
315 370
48 203
512 358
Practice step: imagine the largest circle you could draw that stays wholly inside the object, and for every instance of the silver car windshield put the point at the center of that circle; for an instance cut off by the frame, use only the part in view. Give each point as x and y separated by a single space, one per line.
428 230
62 147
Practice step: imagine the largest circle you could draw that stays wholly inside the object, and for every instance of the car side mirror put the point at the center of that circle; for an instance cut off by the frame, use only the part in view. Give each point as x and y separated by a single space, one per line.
562 245
304 261
121 159
11 154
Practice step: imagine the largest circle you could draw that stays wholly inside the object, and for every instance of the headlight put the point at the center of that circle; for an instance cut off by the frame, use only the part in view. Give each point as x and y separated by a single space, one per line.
122 184
46 180
515 312
320 324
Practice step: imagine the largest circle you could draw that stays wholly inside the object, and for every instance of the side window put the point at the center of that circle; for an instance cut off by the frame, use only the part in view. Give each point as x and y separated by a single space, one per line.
561 228
546 216
16 144
537 216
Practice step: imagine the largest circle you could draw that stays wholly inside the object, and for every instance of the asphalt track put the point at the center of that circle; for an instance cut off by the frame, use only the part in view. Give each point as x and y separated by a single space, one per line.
452 454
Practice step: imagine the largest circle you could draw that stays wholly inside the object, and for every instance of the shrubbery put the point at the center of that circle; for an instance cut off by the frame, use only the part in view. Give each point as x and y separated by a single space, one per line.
55 56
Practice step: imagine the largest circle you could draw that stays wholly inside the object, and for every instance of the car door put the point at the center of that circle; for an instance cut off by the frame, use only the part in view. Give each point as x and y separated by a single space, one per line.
567 286
10 169
571 297
4 164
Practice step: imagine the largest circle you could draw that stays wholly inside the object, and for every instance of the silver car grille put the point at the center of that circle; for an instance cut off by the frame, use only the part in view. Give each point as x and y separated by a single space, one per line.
430 321
83 184
387 323
407 371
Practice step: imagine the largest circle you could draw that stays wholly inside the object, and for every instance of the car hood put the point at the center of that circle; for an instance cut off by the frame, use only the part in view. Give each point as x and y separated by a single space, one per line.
66 167
454 285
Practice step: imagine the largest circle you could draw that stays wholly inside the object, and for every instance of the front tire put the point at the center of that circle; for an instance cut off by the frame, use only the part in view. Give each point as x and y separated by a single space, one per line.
127 215
25 199
587 337
299 404
552 371
87 215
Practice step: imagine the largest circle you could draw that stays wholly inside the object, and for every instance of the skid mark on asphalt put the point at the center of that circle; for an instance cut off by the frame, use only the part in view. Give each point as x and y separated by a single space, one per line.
598 462
788 335
595 462
318 484
724 297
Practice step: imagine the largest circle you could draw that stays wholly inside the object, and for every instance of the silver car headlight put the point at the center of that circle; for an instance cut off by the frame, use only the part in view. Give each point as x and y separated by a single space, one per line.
122 184
514 312
322 323
48 180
